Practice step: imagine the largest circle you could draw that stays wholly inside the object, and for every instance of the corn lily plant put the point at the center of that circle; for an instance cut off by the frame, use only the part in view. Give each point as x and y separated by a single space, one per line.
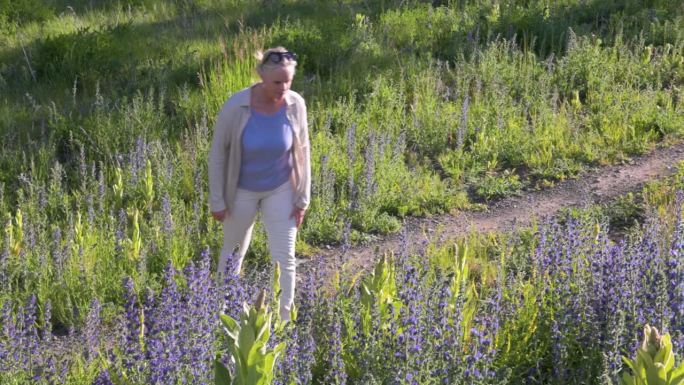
248 347
654 362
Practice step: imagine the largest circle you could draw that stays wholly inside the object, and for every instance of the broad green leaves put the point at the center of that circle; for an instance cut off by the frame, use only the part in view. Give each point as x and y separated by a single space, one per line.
248 347
654 362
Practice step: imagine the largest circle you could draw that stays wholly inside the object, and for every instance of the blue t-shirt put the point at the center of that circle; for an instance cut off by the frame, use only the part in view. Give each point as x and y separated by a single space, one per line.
266 151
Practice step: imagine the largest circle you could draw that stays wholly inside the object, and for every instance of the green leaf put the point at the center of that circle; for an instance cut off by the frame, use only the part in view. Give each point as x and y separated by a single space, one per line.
656 375
665 355
255 376
630 363
116 380
246 341
278 349
677 375
232 328
268 365
645 359
240 361
294 312
221 373
627 379
256 355
264 328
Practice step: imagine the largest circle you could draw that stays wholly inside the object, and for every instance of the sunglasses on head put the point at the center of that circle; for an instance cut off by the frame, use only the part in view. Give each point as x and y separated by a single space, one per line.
277 57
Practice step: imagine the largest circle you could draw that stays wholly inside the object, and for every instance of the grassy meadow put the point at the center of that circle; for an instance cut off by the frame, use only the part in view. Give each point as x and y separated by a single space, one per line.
415 108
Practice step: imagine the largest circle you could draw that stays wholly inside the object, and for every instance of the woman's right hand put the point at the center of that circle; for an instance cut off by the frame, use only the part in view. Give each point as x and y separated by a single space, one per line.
220 215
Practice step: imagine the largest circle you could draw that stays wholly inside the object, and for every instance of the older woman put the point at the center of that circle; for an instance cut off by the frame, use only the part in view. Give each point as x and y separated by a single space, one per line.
259 159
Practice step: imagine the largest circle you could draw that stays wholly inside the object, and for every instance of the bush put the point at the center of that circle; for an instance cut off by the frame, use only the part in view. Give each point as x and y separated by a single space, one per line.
87 54
24 11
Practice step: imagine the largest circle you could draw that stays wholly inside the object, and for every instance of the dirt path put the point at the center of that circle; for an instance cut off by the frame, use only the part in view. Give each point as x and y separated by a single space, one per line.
596 186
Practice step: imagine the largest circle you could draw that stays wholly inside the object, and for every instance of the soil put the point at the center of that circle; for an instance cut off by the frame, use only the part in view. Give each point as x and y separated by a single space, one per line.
595 186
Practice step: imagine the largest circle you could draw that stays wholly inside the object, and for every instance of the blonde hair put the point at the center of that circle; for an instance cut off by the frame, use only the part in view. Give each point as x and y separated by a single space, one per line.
267 65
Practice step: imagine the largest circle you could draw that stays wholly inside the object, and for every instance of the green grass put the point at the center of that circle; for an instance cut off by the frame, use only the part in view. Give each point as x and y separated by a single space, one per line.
414 110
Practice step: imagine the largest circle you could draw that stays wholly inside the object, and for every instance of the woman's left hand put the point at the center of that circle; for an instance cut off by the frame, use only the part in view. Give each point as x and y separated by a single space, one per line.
298 215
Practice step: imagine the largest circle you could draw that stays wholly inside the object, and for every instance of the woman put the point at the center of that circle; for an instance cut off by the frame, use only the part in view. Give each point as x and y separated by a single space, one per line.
259 159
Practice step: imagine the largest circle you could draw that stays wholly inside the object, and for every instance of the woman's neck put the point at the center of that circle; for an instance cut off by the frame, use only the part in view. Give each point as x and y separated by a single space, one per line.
262 103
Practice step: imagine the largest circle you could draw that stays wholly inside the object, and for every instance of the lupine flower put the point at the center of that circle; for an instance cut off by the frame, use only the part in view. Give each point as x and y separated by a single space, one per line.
200 320
90 203
101 191
675 276
463 125
47 321
57 249
92 329
232 287
30 230
29 336
286 368
103 378
137 160
369 159
4 256
335 374
121 228
198 185
167 215
305 342
49 369
132 326
411 339
351 145
441 333
9 334
346 236
164 351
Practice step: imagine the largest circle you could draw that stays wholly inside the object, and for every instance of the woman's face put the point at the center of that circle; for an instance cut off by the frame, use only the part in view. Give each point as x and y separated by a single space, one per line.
276 82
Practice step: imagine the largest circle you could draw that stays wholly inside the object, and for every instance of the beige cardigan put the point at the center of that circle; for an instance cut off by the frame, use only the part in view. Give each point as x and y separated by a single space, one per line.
225 152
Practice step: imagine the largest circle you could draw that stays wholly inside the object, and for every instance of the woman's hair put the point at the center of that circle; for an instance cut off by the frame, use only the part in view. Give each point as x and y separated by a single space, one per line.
265 64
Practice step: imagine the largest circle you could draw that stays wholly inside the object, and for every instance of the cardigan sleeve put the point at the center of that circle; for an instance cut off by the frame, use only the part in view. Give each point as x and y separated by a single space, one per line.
304 200
218 156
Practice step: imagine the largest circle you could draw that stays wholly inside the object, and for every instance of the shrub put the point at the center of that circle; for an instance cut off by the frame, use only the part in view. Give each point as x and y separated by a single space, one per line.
89 54
24 11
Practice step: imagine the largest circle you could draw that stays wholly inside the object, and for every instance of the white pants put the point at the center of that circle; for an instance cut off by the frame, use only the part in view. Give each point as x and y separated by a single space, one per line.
276 207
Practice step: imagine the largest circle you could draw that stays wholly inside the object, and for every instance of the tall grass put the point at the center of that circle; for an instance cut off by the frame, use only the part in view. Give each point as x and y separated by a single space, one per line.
555 303
106 111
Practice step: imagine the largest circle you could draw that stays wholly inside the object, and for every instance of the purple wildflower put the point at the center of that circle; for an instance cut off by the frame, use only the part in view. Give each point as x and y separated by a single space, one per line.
132 328
164 346
9 334
232 287
411 339
29 337
200 320
336 373
463 125
305 342
57 250
675 276
92 329
167 214
103 378
47 321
